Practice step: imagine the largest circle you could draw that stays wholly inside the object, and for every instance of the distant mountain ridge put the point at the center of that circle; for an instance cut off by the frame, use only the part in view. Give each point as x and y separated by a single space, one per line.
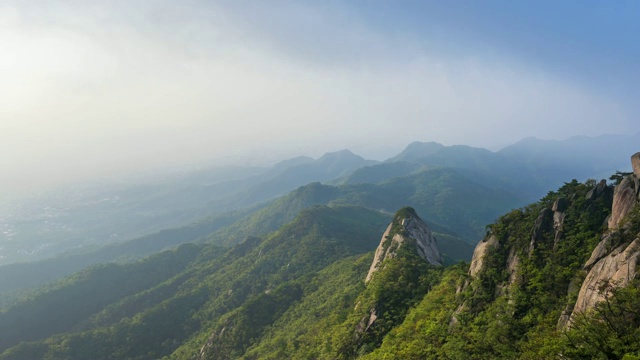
527 169
76 219
520 172
595 157
301 290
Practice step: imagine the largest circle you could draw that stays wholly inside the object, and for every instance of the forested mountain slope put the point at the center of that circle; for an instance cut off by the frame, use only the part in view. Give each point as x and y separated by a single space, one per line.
456 208
450 202
556 279
170 315
82 218
314 289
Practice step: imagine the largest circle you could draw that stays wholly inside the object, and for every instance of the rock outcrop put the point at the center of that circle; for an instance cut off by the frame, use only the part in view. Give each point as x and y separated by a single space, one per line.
365 323
479 254
549 224
635 164
614 260
624 199
513 261
596 191
616 269
544 224
406 228
558 208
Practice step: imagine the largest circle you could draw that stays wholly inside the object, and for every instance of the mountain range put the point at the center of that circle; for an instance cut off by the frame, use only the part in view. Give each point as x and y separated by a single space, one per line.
82 217
271 263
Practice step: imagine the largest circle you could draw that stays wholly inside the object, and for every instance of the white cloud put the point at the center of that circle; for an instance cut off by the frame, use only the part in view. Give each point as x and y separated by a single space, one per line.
90 90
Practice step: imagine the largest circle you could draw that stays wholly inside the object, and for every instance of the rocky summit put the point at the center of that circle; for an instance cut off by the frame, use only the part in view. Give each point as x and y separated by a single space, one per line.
406 228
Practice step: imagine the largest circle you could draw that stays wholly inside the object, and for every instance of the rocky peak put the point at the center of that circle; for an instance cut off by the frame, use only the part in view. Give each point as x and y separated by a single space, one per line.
626 195
406 229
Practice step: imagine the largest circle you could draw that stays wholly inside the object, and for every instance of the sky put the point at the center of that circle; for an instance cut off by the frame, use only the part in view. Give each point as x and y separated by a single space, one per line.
94 88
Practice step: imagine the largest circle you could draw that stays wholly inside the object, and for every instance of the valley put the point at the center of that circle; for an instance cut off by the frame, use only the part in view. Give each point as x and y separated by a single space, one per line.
286 278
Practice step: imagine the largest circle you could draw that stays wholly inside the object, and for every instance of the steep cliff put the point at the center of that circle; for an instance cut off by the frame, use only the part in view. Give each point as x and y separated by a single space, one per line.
560 244
480 253
614 260
406 264
406 228
537 252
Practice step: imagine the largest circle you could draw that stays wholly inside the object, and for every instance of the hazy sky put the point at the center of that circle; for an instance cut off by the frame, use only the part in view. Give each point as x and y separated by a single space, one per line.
93 87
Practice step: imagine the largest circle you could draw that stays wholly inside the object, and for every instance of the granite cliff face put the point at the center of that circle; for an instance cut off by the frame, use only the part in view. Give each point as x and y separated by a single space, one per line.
614 260
612 263
480 253
548 221
406 229
407 250
625 198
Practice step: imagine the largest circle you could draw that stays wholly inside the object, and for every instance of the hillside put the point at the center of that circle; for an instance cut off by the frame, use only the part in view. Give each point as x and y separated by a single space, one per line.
521 296
19 278
315 289
528 168
452 203
84 217
553 279
534 288
456 209
215 285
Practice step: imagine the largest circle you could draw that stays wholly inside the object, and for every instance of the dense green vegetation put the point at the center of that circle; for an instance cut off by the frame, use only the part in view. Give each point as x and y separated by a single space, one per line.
611 330
297 334
392 291
450 203
500 313
68 303
457 189
21 276
297 291
497 315
180 313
